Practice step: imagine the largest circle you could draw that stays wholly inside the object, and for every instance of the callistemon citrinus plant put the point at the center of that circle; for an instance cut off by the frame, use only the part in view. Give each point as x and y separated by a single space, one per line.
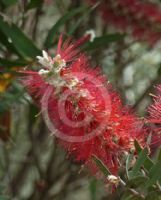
81 108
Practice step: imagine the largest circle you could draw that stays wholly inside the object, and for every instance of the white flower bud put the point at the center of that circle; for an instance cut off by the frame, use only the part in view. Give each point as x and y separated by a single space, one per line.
43 72
45 60
113 179
92 34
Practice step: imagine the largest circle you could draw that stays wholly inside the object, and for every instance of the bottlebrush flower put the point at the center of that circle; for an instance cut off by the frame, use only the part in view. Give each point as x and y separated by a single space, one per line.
155 119
84 111
132 16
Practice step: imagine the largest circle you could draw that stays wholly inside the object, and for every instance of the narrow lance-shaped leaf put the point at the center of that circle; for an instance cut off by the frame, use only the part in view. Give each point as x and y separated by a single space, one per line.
80 20
139 162
102 41
54 30
128 163
137 146
159 155
148 162
77 24
101 166
15 63
93 189
7 45
154 175
19 40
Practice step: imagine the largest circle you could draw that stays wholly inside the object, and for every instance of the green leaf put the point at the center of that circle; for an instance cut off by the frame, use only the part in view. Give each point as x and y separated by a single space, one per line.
136 182
103 41
76 25
34 4
137 146
4 41
9 2
148 162
54 30
12 63
128 163
93 188
159 155
80 20
154 175
101 166
21 43
33 112
139 162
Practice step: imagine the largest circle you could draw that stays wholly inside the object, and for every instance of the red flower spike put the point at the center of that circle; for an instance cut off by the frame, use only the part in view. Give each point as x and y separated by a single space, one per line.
132 16
155 109
155 119
81 108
